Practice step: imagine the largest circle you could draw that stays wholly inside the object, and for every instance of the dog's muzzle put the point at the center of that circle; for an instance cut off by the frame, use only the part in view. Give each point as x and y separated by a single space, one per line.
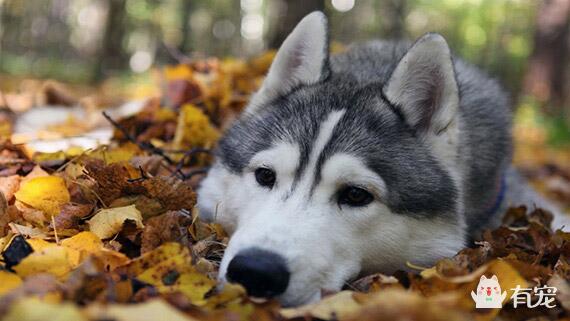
264 274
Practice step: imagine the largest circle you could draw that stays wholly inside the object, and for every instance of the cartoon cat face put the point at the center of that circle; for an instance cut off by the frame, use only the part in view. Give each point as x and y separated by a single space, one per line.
489 287
488 293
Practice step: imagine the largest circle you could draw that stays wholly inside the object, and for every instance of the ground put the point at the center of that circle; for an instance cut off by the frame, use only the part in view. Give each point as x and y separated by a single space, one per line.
97 217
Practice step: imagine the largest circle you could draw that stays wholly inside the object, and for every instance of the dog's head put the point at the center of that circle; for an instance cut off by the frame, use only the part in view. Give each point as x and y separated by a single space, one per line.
324 176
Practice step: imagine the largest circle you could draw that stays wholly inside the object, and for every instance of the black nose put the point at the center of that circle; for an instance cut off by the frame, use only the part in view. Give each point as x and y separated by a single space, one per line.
262 273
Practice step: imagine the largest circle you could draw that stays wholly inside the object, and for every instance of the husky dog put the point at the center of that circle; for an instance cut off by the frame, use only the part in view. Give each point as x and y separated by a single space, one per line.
385 154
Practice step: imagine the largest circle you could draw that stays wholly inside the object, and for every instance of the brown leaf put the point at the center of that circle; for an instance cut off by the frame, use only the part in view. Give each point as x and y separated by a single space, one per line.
171 226
171 192
121 179
70 216
9 185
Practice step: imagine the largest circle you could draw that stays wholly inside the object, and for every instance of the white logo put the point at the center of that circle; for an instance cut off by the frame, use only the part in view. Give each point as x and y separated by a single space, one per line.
488 293
545 296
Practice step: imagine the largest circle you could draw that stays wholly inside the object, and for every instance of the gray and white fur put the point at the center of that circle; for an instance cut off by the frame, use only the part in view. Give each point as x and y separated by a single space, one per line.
425 134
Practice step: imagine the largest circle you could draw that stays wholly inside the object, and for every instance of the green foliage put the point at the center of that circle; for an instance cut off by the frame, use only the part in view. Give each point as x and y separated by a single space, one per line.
492 34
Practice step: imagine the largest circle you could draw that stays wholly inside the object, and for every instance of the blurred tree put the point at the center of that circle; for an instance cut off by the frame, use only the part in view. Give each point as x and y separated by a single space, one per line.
393 18
293 12
546 78
112 54
186 32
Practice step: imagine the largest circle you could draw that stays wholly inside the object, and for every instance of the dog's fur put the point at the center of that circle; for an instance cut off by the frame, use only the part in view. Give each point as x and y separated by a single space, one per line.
426 134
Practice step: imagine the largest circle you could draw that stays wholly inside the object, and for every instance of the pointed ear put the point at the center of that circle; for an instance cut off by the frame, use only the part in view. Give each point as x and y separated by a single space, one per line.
423 85
494 277
483 277
301 60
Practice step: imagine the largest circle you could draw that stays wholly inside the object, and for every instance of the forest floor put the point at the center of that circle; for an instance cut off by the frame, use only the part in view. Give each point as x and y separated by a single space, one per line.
97 218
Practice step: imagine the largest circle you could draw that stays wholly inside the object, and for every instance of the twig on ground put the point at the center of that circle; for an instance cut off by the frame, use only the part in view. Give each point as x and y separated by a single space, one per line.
147 146
197 171
138 179
187 155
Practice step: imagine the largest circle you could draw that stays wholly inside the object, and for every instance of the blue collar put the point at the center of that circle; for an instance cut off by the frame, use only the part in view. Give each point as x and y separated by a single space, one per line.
500 197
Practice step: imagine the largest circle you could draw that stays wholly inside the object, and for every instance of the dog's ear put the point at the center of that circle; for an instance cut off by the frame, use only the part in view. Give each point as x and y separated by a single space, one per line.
301 60
423 85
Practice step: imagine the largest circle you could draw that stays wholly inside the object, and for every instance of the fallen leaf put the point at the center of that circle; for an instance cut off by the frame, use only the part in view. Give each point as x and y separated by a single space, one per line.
151 310
34 309
124 184
337 306
8 282
9 186
169 269
46 193
38 244
194 129
108 222
401 305
31 215
112 259
28 231
70 215
171 226
86 243
54 260
44 286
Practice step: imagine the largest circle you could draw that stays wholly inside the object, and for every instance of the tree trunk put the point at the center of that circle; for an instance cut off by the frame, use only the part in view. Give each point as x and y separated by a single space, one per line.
545 78
112 55
393 18
185 44
292 12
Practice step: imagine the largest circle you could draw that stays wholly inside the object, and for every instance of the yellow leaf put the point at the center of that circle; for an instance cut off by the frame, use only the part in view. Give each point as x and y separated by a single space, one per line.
112 259
233 298
39 244
81 246
194 129
34 309
47 193
4 241
180 71
54 260
85 242
123 153
152 310
399 304
108 222
74 151
154 257
169 269
176 275
8 282
333 307
508 276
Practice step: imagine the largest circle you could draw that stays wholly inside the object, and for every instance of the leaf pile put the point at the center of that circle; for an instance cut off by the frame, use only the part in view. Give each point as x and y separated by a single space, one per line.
112 233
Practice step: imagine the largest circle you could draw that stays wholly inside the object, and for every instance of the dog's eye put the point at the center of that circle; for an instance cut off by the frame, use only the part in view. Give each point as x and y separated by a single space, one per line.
265 177
354 196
